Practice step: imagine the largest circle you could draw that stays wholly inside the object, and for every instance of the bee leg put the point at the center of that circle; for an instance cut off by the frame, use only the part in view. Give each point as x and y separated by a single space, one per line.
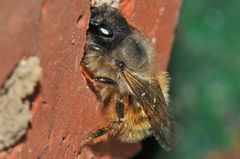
120 104
108 130
86 72
89 76
105 80
96 48
103 133
120 111
100 135
93 137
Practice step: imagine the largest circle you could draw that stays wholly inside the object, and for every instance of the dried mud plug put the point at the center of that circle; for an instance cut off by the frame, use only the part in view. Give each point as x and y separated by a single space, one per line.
135 97
15 113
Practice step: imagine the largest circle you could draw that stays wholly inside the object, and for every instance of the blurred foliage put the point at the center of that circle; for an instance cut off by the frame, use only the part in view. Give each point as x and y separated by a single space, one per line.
205 88
205 67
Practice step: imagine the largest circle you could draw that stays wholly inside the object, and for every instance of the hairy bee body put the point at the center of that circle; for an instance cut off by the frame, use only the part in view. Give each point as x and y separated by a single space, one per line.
118 61
135 126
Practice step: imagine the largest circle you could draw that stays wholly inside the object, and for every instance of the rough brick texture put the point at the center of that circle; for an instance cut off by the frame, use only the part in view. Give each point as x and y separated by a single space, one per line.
66 109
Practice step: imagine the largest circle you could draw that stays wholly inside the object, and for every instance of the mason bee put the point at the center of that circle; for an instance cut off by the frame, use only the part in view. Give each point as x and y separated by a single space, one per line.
118 63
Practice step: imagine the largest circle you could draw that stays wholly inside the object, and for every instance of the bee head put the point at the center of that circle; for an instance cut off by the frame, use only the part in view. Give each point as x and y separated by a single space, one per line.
107 26
109 34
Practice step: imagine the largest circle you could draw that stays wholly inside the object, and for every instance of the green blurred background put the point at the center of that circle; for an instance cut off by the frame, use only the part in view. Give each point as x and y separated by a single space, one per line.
205 85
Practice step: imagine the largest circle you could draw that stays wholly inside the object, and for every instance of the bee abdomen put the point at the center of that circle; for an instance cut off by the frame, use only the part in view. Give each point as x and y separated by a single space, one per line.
135 128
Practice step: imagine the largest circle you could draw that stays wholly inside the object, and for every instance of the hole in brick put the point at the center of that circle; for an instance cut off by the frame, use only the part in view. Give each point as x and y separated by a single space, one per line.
63 138
44 102
39 157
79 18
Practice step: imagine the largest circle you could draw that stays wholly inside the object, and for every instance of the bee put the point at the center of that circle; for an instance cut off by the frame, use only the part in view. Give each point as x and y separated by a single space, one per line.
118 63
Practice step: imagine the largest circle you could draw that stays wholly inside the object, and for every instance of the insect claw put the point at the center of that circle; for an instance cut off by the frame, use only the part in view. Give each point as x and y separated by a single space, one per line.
105 80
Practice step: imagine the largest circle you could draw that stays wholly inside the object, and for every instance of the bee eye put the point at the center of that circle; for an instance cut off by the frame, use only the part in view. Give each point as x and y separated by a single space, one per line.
101 30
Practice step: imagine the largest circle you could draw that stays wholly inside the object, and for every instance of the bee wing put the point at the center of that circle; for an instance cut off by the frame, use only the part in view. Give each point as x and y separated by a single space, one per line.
151 98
